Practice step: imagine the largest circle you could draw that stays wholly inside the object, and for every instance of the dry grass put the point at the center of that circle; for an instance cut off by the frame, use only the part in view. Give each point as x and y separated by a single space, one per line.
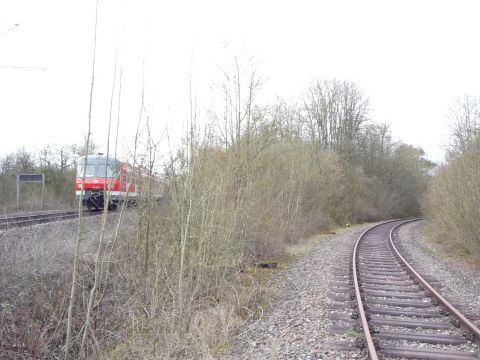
35 272
447 249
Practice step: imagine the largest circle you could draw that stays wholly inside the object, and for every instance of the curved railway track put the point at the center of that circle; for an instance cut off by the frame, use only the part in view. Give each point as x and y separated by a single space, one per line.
402 315
28 219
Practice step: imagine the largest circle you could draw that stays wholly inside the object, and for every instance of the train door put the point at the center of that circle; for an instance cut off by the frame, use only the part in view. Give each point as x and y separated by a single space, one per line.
123 179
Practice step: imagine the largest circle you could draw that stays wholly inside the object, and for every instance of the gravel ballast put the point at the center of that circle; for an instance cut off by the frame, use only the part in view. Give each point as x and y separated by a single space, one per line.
297 326
461 280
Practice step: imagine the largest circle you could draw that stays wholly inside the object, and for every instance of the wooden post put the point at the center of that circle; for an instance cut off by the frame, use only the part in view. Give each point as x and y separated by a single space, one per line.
43 191
18 192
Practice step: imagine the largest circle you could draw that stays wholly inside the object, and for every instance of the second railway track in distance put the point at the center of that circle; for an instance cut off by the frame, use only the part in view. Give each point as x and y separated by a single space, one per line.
396 312
28 219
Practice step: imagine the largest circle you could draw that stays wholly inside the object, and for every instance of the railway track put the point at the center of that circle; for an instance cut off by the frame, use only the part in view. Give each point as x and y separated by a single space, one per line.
28 219
397 313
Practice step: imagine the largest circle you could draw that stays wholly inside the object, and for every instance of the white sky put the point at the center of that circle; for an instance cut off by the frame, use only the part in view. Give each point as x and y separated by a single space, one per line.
412 58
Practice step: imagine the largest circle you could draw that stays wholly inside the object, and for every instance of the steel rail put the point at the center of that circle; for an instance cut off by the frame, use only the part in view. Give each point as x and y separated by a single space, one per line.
372 352
30 215
467 324
22 220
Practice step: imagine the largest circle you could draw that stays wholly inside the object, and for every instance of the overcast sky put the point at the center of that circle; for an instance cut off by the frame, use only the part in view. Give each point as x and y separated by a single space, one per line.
413 59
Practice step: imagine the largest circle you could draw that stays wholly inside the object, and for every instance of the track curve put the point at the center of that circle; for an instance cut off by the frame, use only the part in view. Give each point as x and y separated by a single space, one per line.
395 305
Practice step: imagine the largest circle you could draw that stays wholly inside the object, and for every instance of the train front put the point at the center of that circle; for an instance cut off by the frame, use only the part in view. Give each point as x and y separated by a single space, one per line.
101 182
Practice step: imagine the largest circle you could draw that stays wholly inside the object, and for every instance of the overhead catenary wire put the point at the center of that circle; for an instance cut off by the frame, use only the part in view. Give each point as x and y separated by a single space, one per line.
39 68
9 29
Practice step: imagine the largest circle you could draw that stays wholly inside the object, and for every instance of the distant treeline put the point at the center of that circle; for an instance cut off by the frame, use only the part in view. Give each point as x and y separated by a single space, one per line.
58 165
282 171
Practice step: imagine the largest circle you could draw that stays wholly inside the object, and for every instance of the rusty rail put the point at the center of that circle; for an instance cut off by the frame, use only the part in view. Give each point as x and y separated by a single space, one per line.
465 323
372 352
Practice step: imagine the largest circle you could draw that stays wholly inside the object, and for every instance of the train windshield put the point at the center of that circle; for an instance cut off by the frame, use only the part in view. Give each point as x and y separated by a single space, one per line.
89 171
111 171
99 167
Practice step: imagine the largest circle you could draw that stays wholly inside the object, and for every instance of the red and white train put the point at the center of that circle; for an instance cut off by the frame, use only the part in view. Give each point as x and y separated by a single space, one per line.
108 178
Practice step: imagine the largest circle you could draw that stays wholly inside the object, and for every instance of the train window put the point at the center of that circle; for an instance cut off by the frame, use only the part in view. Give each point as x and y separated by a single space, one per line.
112 171
89 171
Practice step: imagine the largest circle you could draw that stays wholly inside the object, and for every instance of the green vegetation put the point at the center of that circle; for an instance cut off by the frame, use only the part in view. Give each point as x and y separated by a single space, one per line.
352 333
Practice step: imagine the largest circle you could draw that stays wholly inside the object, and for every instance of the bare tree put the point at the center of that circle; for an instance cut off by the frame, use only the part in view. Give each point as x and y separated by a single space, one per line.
73 291
465 125
336 114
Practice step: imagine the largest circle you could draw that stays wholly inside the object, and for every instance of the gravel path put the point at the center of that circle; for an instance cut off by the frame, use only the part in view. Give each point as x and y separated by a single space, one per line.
296 327
461 281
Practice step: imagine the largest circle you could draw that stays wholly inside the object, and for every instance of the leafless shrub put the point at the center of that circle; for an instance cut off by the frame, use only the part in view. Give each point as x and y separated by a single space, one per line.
453 201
